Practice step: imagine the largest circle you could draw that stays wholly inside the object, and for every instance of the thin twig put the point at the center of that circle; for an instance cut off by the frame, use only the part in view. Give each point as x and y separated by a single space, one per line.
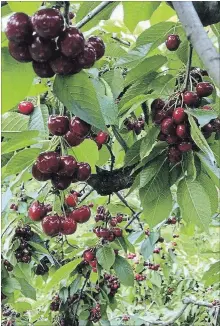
121 41
124 201
119 138
188 66
93 13
112 157
66 12
86 194
135 216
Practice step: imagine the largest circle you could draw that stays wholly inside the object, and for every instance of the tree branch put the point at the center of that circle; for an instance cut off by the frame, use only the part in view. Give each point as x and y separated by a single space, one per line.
93 13
188 66
199 38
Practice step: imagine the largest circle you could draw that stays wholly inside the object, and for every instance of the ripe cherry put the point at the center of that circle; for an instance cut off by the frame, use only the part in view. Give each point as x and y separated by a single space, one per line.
185 146
102 137
179 115
87 58
68 165
39 175
71 42
119 218
111 237
104 233
43 69
159 117
191 99
48 22
68 226
41 50
71 200
98 45
117 232
182 131
172 139
81 214
19 28
62 65
216 124
174 155
113 222
162 137
36 211
83 171
204 89
172 42
72 139
26 107
48 162
79 127
208 128
19 51
51 225
88 255
58 124
157 105
71 15
61 182
93 263
167 126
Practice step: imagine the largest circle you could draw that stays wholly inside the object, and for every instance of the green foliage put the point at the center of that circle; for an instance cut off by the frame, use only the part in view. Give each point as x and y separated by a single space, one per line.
124 271
106 257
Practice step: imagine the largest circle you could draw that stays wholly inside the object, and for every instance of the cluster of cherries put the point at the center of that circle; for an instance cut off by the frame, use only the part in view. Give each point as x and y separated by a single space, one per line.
42 267
55 304
153 267
95 313
8 265
23 252
112 283
53 49
89 257
54 224
140 277
125 318
112 231
14 207
7 311
137 125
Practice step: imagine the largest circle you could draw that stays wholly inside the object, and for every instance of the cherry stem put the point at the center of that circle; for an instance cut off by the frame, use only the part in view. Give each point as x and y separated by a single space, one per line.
188 67
66 12
121 41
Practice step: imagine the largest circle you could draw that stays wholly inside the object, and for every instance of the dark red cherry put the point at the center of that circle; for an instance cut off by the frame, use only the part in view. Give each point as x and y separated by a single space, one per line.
83 171
71 200
43 69
159 116
58 125
79 127
98 45
41 50
172 42
71 15
48 162
88 255
167 126
48 22
72 139
179 115
39 175
157 105
19 51
104 233
185 146
182 131
87 58
71 42
191 99
81 214
36 211
68 165
93 263
19 28
113 222
172 139
174 155
61 182
216 124
26 107
62 65
204 89
119 218
162 137
207 129
51 225
68 226
117 232
102 137
111 236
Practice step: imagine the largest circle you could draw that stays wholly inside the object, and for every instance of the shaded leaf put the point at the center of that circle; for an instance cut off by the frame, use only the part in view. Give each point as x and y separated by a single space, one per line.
124 271
106 257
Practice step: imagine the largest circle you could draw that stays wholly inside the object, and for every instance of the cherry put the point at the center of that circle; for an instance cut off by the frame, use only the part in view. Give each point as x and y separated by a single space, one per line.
68 165
156 251
81 214
19 28
72 139
26 259
172 139
216 124
98 45
79 127
26 107
111 237
61 182
87 58
157 105
185 146
83 171
71 15
51 225
167 126
97 232
71 42
162 137
174 155
117 232
104 233
191 99
207 128
113 222
204 89
206 107
93 263
19 51
125 318
102 138
88 255
58 124
182 131
43 69
48 22
36 211
63 66
119 218
48 162
172 42
38 175
68 226
71 200
41 50
179 115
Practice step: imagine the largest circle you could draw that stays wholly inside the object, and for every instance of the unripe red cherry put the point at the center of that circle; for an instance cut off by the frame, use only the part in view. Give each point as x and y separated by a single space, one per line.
36 211
68 226
58 125
172 42
102 137
83 171
88 255
51 225
204 89
98 45
191 99
71 42
167 126
79 127
48 162
81 214
68 165
19 51
185 146
61 182
174 155
38 175
86 59
179 115
72 139
48 22
71 200
19 28
182 131
26 107
117 232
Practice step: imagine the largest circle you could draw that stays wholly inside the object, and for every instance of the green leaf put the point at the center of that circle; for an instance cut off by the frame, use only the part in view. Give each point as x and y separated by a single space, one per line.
194 203
133 154
115 80
182 51
148 245
210 190
26 7
199 139
133 57
38 120
38 247
106 257
78 94
62 273
12 121
212 275
211 168
203 116
22 76
150 170
22 139
148 65
114 50
135 12
134 236
104 156
132 105
124 271
27 290
10 284
162 13
149 141
190 166
21 160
